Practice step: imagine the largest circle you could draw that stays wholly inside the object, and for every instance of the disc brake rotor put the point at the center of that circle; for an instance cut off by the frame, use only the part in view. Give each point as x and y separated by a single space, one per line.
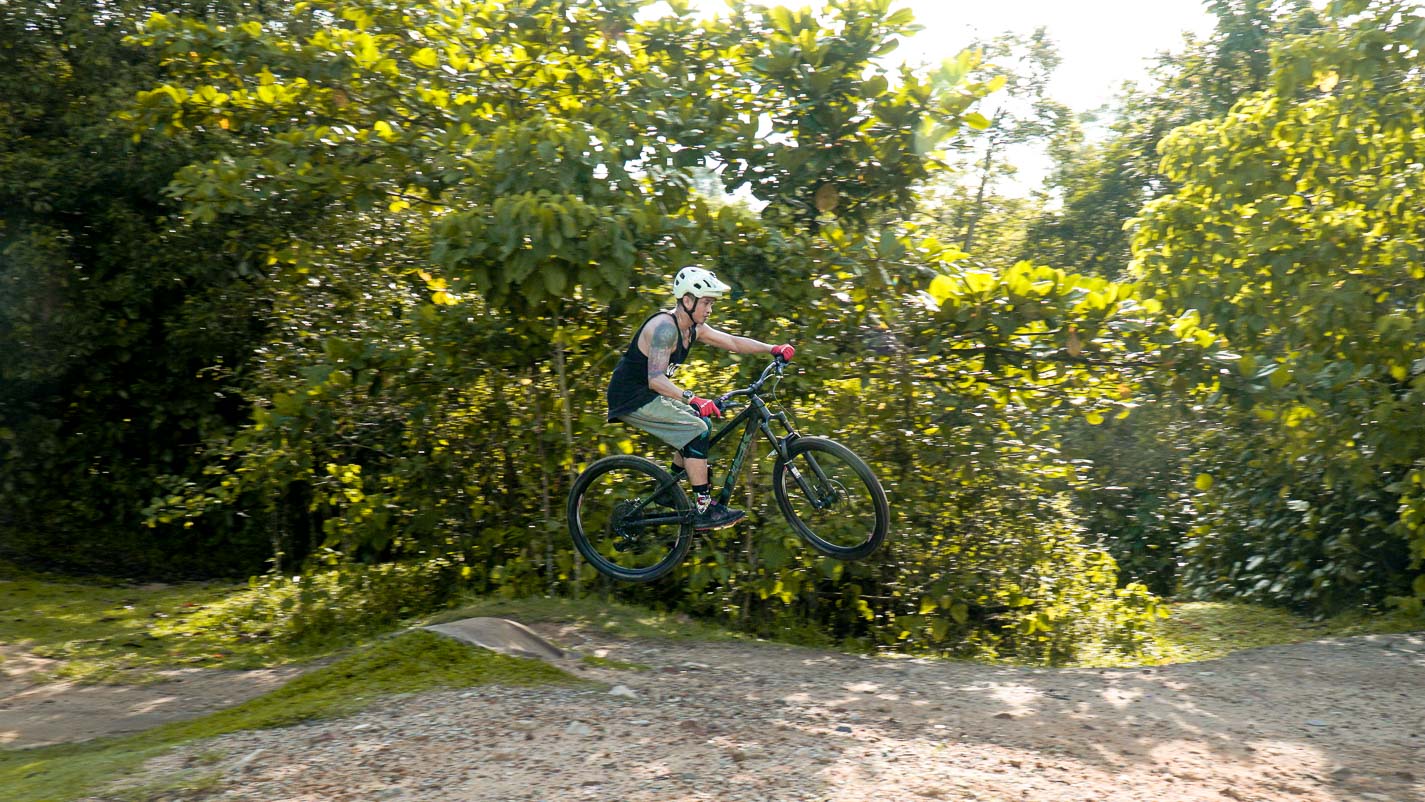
624 538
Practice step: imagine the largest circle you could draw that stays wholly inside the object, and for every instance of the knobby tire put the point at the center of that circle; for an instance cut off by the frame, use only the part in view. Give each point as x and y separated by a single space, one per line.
855 521
599 510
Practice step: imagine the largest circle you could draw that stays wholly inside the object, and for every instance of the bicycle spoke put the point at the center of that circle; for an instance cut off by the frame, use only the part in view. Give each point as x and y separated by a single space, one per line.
628 531
827 503
832 499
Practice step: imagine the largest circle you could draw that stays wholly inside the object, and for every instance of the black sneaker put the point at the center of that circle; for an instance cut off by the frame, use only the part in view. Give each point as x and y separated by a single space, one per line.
717 516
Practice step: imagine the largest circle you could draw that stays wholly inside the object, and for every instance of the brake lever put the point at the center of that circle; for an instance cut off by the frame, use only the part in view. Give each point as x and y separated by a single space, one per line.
724 404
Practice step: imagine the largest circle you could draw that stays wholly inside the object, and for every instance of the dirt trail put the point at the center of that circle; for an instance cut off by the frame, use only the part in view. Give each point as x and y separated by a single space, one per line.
35 714
1340 719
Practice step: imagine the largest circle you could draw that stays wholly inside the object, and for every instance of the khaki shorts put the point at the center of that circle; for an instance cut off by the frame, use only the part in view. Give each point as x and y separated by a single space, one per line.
674 423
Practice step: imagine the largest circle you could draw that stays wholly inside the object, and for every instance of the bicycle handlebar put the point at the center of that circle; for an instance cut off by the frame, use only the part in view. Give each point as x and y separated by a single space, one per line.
777 365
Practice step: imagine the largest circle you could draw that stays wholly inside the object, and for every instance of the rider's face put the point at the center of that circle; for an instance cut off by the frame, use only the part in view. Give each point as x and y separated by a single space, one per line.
703 309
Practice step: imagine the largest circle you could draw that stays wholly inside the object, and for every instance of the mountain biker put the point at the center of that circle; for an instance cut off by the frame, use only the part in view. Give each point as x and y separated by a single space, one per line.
642 393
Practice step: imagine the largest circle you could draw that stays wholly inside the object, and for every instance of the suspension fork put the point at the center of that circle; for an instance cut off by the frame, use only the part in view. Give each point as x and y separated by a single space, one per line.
783 447
780 444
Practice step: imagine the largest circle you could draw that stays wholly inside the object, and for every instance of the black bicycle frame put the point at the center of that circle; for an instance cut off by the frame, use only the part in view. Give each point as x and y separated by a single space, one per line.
755 416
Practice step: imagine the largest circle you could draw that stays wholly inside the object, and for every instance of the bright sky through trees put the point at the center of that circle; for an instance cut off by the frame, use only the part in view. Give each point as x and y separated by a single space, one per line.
1103 42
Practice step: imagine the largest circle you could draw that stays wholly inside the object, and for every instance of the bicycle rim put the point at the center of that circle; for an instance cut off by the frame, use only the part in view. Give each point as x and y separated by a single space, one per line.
617 526
832 499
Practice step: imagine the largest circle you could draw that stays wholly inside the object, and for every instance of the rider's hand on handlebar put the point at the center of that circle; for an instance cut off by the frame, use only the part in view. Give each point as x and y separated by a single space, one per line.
704 407
784 352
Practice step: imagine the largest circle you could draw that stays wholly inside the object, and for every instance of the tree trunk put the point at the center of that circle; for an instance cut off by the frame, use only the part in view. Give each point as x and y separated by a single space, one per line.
545 513
566 403
502 414
978 209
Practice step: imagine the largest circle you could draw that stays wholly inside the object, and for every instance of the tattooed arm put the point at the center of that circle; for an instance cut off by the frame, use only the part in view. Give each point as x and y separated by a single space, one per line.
662 341
731 342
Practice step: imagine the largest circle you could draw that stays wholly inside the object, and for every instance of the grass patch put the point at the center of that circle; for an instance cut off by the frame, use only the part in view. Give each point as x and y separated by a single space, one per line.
110 631
1209 630
408 663
612 618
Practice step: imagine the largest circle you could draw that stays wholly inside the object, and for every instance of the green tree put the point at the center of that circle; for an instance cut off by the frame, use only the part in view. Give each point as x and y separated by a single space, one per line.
487 195
120 346
1135 497
541 158
1294 233
547 147
1021 114
1100 184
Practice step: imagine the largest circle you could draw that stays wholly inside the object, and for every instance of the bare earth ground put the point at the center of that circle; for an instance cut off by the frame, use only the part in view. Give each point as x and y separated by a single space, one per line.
1340 719
35 714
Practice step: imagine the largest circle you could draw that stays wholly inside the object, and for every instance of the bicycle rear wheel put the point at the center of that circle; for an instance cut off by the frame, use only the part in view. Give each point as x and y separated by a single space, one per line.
620 528
831 498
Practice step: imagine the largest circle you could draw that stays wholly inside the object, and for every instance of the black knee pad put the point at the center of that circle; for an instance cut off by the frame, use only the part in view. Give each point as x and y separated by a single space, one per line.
698 448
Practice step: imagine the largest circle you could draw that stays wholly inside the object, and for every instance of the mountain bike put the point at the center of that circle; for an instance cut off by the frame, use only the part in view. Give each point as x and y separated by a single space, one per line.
632 520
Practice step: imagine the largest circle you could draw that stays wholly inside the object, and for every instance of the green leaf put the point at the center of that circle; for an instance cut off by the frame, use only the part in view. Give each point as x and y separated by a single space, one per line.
939 628
782 19
976 120
942 287
287 404
980 281
900 17
555 281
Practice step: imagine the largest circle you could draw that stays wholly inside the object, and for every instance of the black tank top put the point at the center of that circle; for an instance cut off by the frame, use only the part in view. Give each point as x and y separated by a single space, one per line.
628 389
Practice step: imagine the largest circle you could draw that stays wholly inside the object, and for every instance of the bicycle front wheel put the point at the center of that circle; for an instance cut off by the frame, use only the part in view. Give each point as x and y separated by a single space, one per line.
831 498
621 527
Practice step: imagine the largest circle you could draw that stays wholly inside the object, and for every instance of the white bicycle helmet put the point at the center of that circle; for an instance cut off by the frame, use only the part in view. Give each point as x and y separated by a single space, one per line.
701 283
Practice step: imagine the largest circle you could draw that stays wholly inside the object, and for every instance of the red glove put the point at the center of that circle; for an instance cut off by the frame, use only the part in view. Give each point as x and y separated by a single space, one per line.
706 408
784 352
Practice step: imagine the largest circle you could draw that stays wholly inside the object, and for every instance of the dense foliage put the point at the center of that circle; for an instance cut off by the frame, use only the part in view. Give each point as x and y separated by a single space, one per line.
1295 233
373 262
119 343
440 410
